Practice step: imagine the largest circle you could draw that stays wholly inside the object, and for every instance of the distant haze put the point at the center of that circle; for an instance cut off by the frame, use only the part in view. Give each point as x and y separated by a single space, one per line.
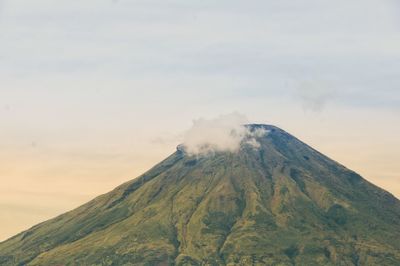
94 93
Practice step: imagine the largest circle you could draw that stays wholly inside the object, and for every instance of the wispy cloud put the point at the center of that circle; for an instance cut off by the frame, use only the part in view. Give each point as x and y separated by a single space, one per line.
224 133
314 94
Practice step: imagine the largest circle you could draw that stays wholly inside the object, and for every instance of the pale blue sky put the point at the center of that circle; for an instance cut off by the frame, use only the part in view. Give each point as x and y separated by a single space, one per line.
93 93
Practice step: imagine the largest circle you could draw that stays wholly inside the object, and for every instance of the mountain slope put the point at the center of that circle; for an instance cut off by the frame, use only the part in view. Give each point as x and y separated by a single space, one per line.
281 204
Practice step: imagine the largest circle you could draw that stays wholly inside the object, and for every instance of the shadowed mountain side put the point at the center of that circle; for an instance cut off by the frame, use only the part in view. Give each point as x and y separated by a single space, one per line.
280 204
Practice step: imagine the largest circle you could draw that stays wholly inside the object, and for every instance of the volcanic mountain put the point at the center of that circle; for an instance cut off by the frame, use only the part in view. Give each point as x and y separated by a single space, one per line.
276 203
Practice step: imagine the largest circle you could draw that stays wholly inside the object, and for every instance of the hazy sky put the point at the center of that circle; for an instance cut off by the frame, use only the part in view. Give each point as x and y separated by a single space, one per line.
93 93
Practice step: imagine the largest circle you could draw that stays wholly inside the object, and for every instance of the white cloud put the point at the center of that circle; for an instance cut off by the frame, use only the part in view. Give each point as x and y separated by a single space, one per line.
225 133
252 136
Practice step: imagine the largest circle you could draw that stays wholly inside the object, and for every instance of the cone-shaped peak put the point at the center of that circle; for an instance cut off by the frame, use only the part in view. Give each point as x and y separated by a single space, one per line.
270 200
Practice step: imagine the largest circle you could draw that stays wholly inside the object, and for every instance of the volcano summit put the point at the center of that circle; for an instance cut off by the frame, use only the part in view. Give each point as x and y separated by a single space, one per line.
274 201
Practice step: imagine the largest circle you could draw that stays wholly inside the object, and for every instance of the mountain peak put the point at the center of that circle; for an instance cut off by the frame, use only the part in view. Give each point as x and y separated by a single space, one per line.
264 126
211 138
274 200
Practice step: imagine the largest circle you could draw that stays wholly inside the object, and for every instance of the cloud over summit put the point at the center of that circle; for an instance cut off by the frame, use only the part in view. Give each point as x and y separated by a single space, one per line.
225 133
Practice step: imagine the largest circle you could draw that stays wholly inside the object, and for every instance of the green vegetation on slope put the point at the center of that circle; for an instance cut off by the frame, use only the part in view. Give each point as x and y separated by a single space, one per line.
281 204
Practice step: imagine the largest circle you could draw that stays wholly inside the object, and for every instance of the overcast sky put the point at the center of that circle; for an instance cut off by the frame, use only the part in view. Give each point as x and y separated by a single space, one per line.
93 93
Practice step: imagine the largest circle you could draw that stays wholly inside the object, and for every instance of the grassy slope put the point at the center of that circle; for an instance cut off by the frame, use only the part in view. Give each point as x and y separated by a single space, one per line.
283 204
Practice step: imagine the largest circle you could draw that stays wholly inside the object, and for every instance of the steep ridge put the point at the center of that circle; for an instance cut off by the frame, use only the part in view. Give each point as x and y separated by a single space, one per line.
283 203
